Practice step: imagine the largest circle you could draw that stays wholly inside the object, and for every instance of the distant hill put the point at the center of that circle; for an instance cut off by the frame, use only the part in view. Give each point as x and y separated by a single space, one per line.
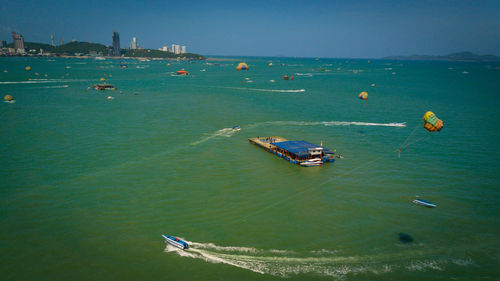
81 47
462 56
148 53
69 48
85 48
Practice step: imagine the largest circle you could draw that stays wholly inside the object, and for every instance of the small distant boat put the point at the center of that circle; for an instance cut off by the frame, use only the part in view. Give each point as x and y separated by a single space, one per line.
123 66
177 242
236 128
110 98
424 203
182 72
102 87
285 77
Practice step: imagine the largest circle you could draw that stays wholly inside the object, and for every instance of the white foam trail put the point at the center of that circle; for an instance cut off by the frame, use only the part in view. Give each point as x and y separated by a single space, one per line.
323 262
304 74
330 123
264 90
425 265
222 248
38 81
30 82
226 132
51 87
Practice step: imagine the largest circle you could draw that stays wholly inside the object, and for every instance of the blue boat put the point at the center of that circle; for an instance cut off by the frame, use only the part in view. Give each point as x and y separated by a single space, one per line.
177 242
424 203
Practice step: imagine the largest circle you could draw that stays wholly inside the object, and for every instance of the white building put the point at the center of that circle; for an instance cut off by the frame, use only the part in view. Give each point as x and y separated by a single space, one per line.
165 49
183 50
133 45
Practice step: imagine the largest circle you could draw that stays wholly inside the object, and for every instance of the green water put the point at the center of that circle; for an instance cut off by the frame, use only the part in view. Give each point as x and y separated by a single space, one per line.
89 184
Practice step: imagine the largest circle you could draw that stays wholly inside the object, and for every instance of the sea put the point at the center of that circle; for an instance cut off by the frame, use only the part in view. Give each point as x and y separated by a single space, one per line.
89 183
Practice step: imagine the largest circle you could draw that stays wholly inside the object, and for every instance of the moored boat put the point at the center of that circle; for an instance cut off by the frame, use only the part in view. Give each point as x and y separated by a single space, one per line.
312 162
182 72
177 242
302 153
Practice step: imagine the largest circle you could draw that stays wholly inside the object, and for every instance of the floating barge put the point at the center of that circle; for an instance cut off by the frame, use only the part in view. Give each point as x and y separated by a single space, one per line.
296 152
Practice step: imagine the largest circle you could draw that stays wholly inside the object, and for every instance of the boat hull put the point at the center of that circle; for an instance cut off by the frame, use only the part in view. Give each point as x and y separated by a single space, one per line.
176 242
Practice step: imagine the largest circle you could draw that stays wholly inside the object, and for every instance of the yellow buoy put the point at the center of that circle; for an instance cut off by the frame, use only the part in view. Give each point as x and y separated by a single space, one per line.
102 79
8 98
28 67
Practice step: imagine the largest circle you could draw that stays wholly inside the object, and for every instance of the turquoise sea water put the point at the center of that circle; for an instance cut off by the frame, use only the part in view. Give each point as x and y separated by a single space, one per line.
89 184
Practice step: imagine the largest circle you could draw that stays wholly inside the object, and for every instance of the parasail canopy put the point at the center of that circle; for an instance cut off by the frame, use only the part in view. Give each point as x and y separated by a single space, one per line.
242 66
431 122
363 95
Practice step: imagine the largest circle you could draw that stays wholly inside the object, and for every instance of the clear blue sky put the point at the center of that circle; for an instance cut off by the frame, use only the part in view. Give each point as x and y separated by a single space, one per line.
356 29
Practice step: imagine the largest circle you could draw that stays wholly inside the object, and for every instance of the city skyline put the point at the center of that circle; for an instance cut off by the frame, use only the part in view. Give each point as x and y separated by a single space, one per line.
292 28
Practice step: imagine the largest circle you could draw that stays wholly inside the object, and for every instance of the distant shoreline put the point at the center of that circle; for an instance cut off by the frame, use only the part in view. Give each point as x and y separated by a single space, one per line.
456 57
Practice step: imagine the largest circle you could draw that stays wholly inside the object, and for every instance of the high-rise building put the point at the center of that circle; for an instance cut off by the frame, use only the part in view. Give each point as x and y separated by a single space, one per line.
176 49
116 44
165 49
183 49
3 44
52 40
18 42
172 49
133 45
61 42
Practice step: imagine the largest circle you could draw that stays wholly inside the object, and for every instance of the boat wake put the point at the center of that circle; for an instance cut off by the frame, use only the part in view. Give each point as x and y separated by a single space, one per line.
329 123
51 87
226 132
285 263
264 90
40 81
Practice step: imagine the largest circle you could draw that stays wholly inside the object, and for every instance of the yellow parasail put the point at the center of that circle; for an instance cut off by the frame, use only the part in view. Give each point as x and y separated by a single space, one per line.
363 95
242 66
102 79
8 98
431 122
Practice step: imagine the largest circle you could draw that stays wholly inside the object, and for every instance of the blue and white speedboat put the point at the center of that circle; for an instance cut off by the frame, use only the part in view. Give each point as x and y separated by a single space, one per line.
236 128
424 203
177 242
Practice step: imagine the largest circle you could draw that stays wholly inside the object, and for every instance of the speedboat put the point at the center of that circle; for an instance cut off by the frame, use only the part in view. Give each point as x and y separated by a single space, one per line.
177 242
424 203
102 87
236 128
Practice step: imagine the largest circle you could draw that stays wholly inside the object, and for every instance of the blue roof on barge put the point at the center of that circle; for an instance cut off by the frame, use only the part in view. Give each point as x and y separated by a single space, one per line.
301 148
